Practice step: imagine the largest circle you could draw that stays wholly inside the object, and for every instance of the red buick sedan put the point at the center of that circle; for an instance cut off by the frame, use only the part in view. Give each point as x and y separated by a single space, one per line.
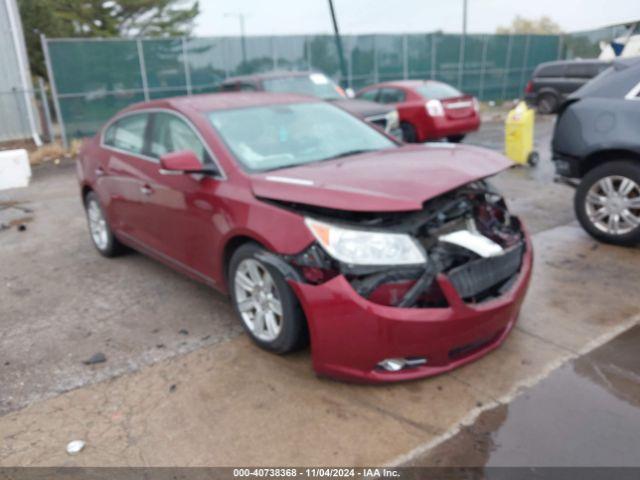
394 261
428 110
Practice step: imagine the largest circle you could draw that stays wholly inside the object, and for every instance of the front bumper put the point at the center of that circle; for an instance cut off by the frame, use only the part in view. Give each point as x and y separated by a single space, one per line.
566 165
351 335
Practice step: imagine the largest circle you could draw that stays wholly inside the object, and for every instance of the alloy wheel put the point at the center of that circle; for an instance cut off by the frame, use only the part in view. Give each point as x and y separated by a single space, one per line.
257 300
97 225
613 205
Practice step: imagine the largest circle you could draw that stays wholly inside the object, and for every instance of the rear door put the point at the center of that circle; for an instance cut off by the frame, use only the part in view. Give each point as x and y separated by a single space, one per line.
124 177
577 74
184 208
551 77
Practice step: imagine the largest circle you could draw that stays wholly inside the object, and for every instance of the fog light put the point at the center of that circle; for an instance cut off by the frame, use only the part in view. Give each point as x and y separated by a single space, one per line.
397 364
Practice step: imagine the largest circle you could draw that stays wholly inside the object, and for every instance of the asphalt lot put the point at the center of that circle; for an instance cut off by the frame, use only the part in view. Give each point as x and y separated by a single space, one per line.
182 385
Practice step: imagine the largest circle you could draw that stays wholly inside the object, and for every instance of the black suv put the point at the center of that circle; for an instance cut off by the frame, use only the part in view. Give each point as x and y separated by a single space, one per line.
551 82
596 147
317 84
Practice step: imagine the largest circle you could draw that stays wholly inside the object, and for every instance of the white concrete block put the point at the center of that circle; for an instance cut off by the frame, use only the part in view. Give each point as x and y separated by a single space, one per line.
15 170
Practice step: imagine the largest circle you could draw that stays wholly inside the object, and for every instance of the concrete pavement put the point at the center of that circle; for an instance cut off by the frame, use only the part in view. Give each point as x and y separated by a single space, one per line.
183 386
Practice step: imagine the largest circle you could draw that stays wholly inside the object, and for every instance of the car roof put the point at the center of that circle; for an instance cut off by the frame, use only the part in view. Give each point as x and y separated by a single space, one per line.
584 61
402 83
267 75
208 102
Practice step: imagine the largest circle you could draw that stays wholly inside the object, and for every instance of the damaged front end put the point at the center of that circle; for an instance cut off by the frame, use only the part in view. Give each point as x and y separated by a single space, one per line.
467 235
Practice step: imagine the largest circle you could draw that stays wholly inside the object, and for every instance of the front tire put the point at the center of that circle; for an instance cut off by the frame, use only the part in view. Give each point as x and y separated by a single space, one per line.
265 303
409 134
607 203
101 235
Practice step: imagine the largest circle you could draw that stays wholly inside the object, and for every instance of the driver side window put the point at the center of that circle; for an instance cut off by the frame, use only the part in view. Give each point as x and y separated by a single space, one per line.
170 133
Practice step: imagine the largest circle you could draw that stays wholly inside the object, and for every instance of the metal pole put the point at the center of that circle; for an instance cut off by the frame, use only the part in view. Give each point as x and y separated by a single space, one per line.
336 32
54 91
560 45
274 55
462 42
434 51
45 109
506 67
483 67
525 62
405 62
187 70
143 70
243 43
350 64
243 38
375 60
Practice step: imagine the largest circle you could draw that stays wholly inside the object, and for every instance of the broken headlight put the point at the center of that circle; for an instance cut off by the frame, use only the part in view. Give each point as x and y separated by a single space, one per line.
366 247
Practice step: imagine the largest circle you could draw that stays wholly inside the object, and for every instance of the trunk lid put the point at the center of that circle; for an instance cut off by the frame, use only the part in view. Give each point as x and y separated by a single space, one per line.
458 107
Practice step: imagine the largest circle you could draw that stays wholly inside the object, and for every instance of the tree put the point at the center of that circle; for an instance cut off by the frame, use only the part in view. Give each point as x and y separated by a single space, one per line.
542 25
102 18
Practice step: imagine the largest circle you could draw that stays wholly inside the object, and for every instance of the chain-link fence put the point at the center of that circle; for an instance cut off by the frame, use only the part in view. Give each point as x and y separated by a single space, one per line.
91 79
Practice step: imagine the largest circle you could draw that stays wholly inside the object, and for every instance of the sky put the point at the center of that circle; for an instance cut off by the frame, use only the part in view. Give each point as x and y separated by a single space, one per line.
266 17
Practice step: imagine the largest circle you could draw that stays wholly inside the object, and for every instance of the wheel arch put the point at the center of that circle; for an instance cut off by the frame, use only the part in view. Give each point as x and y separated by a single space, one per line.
84 191
595 159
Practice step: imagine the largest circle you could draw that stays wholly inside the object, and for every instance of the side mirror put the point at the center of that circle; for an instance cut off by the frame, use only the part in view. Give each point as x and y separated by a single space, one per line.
184 161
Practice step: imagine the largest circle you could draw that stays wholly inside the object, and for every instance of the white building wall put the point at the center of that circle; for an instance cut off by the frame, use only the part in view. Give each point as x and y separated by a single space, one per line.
18 116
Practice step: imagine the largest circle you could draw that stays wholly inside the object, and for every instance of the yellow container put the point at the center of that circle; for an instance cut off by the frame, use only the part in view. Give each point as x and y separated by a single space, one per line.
518 141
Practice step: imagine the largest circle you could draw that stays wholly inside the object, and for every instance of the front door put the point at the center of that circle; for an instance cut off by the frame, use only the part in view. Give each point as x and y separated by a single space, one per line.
185 208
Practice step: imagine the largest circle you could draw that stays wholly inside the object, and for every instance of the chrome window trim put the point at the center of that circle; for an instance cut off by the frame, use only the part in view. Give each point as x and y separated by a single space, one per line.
634 93
221 176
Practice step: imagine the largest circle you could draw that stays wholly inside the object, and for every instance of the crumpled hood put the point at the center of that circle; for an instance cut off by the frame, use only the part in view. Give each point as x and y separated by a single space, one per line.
394 180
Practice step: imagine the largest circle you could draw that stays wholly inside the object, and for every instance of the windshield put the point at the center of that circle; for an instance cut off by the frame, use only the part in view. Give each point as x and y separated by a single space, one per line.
437 91
278 136
314 84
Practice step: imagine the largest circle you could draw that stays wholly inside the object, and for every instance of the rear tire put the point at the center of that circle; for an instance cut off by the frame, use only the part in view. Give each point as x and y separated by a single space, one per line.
265 303
607 202
101 234
547 103
409 134
456 138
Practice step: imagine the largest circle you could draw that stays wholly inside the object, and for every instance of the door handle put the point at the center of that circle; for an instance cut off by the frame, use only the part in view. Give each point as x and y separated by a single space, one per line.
146 190
99 172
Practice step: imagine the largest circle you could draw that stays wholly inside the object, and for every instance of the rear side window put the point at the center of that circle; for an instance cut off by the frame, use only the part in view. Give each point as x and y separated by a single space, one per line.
127 133
391 95
170 133
370 95
579 70
551 71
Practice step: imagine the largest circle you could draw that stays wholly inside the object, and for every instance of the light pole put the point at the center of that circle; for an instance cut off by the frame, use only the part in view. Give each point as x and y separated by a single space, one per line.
462 41
336 32
240 17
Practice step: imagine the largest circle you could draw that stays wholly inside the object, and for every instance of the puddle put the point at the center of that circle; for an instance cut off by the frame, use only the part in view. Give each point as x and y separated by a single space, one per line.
586 413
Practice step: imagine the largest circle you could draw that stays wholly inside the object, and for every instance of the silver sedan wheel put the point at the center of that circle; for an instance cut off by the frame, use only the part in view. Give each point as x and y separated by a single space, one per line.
613 205
97 225
257 300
